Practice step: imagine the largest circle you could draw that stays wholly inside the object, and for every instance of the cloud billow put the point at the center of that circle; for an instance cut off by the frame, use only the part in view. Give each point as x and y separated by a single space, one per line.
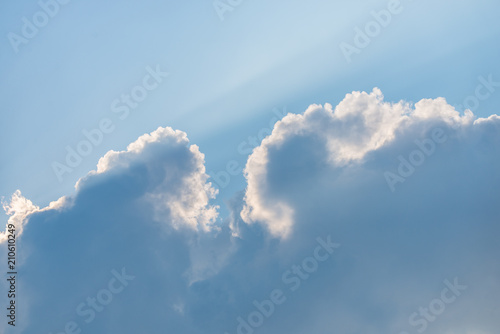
321 175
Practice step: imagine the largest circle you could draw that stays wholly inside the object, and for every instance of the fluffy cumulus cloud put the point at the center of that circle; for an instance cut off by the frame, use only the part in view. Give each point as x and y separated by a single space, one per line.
370 217
342 139
410 191
144 209
178 188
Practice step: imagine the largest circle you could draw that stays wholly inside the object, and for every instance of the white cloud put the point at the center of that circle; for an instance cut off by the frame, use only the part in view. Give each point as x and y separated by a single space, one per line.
18 209
147 209
178 189
327 168
154 191
360 124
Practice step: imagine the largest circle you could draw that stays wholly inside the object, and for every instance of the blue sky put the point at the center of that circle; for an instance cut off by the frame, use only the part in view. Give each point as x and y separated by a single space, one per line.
231 76
225 76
